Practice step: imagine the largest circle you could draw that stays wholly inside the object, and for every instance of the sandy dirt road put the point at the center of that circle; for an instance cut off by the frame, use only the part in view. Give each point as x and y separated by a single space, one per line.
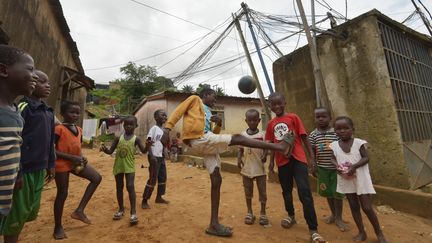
187 215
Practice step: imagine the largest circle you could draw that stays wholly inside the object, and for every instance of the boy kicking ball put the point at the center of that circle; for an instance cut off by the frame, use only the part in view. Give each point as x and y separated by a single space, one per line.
203 140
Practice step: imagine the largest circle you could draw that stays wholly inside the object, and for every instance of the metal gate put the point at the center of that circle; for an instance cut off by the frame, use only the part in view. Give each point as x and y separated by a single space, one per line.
409 62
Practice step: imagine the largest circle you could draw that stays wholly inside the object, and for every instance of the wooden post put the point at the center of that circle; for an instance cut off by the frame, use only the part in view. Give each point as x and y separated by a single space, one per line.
251 66
321 95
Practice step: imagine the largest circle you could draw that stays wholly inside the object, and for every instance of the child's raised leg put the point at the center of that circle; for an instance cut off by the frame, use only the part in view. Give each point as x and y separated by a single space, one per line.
283 147
130 186
62 184
95 178
354 203
366 205
119 179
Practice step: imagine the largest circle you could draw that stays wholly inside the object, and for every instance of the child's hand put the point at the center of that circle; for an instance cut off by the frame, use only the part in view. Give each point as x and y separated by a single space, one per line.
240 163
271 166
19 183
264 158
50 174
312 169
216 119
351 170
84 160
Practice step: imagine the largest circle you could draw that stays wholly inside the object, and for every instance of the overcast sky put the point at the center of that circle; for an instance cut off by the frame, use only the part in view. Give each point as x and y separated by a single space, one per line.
111 33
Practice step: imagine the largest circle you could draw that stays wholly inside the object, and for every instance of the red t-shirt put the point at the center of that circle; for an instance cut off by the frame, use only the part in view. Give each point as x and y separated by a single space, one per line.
278 127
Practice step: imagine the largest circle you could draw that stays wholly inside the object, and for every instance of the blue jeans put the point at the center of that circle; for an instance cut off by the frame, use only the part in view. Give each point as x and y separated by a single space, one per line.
298 171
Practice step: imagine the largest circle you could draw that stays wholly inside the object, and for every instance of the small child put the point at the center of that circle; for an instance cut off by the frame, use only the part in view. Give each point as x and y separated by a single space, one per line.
357 183
320 139
251 161
203 140
37 155
68 139
157 168
124 166
17 77
294 166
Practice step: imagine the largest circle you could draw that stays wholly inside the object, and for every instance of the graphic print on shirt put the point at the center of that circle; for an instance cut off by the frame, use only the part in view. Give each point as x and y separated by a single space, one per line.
280 130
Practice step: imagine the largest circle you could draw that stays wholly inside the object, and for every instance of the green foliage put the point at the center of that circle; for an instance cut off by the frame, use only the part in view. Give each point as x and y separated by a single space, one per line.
187 89
219 91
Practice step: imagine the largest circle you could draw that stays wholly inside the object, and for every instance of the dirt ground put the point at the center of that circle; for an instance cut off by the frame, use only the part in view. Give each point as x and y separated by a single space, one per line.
187 215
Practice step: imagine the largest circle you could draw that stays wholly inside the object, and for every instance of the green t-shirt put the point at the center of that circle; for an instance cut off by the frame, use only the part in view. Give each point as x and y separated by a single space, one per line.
125 156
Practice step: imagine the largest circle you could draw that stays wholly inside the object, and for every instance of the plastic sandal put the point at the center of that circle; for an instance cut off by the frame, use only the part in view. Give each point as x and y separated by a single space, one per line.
118 215
317 238
133 219
263 220
249 219
288 222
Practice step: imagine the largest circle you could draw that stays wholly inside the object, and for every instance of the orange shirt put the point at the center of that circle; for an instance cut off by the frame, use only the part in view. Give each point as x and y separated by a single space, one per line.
68 143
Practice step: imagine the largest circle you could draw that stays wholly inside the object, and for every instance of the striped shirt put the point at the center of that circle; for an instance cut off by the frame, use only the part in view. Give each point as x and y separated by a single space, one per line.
11 125
320 141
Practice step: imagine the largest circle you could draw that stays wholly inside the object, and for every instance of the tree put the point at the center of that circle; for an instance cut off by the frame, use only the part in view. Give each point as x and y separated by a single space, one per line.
201 87
187 89
138 82
220 91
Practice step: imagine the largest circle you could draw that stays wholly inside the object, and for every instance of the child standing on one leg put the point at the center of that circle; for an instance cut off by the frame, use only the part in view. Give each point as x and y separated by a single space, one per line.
157 168
17 77
124 166
68 139
251 161
326 172
351 158
293 167
37 155
204 141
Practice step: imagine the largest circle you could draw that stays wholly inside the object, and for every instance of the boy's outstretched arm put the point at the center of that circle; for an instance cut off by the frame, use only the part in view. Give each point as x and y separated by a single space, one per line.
112 148
141 147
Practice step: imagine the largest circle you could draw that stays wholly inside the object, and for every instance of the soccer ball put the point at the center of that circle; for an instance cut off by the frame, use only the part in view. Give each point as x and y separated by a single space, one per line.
247 85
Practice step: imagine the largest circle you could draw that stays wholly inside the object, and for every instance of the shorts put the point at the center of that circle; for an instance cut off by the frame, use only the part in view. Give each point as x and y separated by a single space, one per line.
25 203
261 184
327 182
209 147
63 166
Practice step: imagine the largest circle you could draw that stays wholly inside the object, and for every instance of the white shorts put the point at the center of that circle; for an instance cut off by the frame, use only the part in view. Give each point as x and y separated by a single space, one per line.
209 147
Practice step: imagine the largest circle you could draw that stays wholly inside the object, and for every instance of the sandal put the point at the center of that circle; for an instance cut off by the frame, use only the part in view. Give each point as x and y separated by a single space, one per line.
289 138
317 238
288 222
249 219
263 220
118 215
220 230
133 219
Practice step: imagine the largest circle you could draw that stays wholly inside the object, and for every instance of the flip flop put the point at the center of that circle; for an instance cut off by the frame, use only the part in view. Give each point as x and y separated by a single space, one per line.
249 219
288 222
133 219
221 231
118 215
317 238
263 220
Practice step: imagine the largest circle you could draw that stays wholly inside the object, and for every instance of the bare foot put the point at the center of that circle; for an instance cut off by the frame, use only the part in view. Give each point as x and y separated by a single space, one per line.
330 219
80 216
341 225
161 200
360 237
59 233
144 205
381 238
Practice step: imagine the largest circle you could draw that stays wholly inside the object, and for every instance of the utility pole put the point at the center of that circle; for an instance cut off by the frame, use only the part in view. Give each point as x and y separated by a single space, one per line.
321 99
425 20
313 21
257 47
252 68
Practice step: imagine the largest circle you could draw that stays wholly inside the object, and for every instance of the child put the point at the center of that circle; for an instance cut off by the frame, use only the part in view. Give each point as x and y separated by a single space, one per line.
37 155
294 166
124 166
68 139
252 161
320 139
355 181
204 141
17 77
157 168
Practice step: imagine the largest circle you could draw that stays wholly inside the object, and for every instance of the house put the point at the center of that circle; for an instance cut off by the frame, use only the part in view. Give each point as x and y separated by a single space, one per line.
40 28
378 72
231 109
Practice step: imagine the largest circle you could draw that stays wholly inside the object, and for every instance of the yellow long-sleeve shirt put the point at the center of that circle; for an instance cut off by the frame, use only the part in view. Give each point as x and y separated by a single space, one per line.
192 111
